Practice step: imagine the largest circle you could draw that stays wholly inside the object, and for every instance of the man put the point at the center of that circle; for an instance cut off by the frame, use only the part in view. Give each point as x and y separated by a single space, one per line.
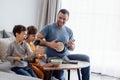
56 32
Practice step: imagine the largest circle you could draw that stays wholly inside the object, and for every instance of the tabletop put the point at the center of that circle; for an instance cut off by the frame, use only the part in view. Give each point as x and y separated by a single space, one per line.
69 66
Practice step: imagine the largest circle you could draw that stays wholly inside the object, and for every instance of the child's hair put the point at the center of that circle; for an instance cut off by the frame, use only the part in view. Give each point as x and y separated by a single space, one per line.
18 29
31 30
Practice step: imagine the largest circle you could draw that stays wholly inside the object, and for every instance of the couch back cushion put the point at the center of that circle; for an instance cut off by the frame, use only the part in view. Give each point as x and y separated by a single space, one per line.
4 44
1 33
7 34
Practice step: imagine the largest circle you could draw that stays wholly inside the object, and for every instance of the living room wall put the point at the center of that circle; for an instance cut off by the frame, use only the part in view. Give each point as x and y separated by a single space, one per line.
13 12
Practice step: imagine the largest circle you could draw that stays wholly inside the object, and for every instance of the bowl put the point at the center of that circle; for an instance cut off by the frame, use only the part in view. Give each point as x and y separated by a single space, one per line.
56 62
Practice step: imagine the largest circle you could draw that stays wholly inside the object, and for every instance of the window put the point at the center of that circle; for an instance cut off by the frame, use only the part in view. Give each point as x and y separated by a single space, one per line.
96 27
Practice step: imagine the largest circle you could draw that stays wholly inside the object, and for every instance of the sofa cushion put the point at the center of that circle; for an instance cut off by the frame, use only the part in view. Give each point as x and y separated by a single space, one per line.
4 43
1 34
6 66
7 34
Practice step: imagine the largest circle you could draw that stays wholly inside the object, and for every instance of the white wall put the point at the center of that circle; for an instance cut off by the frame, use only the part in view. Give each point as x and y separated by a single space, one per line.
14 12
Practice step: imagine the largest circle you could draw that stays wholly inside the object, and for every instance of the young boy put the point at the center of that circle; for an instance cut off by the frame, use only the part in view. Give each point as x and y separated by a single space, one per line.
18 51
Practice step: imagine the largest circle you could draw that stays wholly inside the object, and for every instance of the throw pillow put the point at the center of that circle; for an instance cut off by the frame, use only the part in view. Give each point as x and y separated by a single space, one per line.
7 34
5 66
4 43
1 34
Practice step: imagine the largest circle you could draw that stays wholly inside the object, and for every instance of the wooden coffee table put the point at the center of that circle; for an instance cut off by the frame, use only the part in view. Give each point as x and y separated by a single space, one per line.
68 67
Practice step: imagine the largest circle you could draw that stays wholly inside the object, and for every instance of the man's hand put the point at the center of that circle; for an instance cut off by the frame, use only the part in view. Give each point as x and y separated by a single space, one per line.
70 44
53 44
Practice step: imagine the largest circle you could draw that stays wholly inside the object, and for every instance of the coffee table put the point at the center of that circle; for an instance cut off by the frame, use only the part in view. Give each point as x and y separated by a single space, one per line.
68 67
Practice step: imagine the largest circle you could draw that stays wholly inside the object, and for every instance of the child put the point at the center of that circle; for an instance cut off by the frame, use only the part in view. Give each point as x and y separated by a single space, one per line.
39 50
18 51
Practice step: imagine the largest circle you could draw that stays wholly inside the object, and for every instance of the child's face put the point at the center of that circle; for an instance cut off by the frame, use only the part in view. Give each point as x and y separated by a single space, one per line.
32 37
21 37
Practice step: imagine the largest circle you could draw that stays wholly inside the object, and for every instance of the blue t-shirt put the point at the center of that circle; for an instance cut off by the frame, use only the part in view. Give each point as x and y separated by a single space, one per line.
52 32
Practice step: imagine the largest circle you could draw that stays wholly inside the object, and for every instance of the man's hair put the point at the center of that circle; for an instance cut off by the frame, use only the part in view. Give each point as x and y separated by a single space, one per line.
64 11
18 29
31 30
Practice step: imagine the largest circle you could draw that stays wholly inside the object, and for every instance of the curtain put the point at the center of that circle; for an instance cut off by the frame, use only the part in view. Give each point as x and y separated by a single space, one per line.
47 12
96 27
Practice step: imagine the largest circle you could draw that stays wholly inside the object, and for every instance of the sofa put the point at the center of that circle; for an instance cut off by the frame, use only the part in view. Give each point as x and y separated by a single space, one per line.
5 39
5 66
8 76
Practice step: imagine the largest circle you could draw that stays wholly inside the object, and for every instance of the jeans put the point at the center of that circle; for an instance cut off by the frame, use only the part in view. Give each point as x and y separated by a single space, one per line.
58 74
27 71
84 71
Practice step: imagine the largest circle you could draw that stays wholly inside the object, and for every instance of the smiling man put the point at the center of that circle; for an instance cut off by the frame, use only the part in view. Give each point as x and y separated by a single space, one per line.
59 32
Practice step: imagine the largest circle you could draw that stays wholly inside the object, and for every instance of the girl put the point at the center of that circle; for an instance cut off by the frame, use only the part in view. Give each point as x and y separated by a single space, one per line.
39 50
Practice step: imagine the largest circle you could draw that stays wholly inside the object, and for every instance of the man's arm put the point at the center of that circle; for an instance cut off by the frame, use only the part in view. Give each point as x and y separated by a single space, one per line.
43 42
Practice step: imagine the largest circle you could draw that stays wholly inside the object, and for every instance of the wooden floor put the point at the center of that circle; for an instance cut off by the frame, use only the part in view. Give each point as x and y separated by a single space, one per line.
93 76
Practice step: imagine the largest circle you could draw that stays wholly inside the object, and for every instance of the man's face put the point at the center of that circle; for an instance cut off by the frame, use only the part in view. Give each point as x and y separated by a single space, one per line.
62 19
